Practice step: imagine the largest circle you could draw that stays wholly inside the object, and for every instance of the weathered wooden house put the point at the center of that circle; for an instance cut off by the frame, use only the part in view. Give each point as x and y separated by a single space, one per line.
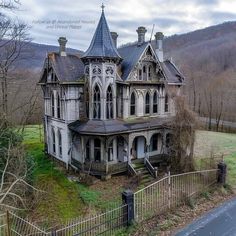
108 107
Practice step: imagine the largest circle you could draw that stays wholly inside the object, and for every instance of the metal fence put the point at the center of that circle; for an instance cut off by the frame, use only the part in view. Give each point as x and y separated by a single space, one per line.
154 199
17 226
170 191
104 224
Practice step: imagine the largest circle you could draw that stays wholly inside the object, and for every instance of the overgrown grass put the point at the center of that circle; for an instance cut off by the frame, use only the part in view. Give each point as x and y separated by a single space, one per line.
61 200
221 144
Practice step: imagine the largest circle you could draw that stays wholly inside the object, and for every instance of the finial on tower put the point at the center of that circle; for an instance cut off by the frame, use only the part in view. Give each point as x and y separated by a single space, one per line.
102 7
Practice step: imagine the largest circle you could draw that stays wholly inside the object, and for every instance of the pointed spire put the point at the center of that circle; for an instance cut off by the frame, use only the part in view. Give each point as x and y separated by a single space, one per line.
102 45
103 6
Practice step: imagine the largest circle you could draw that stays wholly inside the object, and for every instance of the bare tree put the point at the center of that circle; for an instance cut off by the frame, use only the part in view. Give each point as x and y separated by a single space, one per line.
9 4
13 48
183 126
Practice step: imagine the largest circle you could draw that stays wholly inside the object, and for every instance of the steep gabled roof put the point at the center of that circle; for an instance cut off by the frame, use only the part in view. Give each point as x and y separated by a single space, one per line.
172 74
130 54
67 68
102 45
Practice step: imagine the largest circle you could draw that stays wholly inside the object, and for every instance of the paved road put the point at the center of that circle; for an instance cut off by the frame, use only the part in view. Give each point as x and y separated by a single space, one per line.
218 222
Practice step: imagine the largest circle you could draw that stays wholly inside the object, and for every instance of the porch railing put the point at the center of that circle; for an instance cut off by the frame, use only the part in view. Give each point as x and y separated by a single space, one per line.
152 170
101 168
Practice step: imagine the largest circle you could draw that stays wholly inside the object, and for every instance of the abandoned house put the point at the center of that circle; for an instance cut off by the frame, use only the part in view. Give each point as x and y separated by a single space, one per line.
107 108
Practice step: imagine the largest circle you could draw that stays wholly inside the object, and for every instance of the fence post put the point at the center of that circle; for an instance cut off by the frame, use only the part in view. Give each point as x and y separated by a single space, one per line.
8 224
53 233
222 170
128 198
169 189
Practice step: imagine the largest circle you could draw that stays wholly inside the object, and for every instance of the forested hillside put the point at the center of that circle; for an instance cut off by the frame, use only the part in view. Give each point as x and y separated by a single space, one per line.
207 58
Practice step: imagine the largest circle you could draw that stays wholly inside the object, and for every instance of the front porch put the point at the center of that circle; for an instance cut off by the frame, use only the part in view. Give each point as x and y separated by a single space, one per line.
109 154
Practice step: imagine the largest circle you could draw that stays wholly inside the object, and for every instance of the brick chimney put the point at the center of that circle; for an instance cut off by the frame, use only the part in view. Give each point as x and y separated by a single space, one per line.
62 46
141 34
114 36
159 36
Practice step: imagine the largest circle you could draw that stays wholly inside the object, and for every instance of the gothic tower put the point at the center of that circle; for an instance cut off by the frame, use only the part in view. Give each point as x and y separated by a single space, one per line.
101 60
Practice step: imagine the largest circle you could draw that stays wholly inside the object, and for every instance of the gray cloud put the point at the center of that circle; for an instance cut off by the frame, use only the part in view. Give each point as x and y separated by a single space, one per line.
124 17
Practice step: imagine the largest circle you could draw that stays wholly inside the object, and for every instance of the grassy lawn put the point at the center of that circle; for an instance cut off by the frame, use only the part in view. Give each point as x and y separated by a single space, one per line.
220 144
61 200
64 200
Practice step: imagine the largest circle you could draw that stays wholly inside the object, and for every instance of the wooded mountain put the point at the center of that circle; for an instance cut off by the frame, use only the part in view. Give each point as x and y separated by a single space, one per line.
207 58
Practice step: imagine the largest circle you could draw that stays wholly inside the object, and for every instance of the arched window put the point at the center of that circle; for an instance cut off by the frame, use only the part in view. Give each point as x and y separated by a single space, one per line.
109 107
52 104
88 150
155 102
147 103
53 141
96 103
154 143
60 142
132 104
97 150
110 151
166 103
58 106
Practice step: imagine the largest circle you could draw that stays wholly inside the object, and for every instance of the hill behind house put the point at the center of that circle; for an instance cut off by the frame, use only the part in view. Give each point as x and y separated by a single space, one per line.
207 58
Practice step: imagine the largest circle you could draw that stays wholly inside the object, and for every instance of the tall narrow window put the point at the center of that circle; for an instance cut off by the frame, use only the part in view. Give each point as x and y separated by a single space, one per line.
97 150
155 102
140 74
110 151
58 106
87 102
53 141
166 103
88 150
60 142
147 103
154 143
52 104
96 103
149 73
109 107
144 69
132 104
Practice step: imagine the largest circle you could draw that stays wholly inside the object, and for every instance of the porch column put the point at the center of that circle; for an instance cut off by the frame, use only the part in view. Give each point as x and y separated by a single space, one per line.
103 151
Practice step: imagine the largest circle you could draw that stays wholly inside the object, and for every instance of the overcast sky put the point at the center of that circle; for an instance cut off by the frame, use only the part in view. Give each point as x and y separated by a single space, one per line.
77 20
